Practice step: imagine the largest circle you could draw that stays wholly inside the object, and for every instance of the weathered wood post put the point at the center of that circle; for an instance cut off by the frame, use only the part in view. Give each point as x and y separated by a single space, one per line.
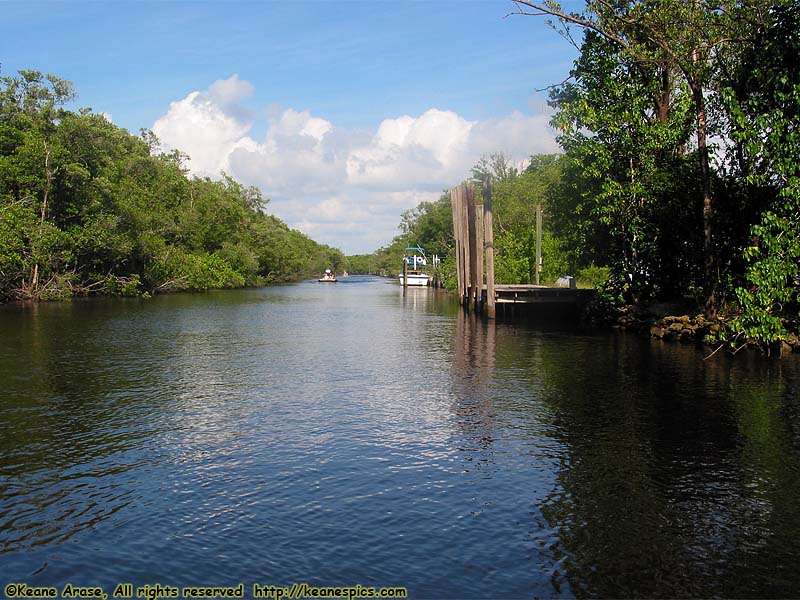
465 249
472 256
469 233
405 273
538 268
479 241
488 233
461 196
455 206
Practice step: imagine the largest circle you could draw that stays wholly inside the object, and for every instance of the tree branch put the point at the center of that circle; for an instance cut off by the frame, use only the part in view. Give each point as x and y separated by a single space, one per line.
553 86
541 10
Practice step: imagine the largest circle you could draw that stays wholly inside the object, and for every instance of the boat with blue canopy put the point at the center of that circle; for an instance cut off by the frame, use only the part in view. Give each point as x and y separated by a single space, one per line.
416 262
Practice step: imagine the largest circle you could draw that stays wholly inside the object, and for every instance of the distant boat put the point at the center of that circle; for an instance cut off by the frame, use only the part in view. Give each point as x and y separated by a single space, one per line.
329 277
416 262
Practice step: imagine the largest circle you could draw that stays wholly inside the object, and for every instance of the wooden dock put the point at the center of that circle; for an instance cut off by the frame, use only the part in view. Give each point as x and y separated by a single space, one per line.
472 229
537 294
547 305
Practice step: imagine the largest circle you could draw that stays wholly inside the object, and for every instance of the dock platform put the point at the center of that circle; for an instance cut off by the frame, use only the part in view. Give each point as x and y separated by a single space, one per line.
537 294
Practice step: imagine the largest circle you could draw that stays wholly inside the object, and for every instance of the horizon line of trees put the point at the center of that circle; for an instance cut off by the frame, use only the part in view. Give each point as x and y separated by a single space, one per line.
679 180
88 208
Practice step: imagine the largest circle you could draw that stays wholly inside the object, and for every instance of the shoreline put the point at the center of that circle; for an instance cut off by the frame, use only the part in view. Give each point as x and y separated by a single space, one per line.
697 330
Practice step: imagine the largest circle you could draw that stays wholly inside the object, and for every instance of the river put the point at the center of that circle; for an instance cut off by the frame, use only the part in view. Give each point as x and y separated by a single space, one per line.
344 434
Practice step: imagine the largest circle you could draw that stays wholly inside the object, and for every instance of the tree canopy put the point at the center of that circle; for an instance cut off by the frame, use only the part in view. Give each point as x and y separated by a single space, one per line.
86 207
679 174
678 127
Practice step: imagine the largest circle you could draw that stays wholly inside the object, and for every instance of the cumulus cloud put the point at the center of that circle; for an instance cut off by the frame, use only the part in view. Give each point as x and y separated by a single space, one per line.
207 126
228 92
520 135
424 152
346 188
300 154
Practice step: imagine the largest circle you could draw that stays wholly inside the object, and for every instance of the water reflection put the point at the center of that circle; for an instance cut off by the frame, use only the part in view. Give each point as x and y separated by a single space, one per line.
356 434
472 381
654 497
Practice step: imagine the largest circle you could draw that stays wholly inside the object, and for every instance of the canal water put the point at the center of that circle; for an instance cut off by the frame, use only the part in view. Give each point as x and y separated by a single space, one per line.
347 434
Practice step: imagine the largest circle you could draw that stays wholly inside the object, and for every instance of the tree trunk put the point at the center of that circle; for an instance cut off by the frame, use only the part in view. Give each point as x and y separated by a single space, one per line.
48 175
709 258
663 99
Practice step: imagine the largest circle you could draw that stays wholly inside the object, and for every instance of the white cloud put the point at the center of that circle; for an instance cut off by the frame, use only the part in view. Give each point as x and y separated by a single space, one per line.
520 135
227 92
418 152
300 155
207 126
346 188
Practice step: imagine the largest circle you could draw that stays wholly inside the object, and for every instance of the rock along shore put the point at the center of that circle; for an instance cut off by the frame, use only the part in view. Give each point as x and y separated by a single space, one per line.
692 329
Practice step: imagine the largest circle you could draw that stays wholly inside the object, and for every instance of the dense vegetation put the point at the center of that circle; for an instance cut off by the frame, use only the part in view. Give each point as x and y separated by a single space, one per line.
515 196
680 173
86 207
679 180
679 127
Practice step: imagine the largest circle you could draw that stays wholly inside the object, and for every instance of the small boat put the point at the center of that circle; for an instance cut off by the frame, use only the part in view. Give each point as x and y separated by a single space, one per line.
329 277
414 271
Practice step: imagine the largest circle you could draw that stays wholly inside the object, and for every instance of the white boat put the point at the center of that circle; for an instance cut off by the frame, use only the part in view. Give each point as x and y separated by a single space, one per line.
416 261
416 279
329 277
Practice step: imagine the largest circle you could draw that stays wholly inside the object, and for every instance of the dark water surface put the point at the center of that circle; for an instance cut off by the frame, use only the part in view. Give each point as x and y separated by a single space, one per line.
343 434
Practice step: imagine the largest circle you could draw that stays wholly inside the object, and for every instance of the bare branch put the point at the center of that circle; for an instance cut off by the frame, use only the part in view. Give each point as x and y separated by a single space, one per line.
553 86
562 16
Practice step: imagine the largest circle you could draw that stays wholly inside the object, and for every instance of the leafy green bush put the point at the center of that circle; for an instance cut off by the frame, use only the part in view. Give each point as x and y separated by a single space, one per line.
592 276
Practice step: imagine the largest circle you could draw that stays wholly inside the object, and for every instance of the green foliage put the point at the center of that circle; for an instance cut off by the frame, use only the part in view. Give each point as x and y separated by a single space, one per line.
15 220
497 167
243 259
765 111
556 265
512 262
86 208
180 270
514 201
515 261
515 196
361 264
640 197
428 225
592 276
629 198
122 286
772 279
447 269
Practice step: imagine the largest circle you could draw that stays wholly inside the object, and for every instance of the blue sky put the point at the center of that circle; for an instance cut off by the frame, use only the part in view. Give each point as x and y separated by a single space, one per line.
344 113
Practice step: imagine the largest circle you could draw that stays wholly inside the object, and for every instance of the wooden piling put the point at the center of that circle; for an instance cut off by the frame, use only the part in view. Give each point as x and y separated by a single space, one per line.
460 197
455 204
479 241
465 249
472 256
472 231
488 233
538 268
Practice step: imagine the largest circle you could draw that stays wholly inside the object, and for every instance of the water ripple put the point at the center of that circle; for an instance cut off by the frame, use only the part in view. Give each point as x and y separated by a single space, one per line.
343 435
